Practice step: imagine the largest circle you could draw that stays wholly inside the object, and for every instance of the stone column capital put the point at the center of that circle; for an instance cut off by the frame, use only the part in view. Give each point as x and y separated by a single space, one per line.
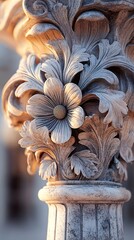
73 90
72 96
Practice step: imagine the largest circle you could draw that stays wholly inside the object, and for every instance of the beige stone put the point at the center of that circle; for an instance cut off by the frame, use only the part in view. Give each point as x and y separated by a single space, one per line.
72 101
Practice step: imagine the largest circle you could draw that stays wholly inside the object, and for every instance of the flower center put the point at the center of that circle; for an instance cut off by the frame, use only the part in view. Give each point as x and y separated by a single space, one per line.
60 112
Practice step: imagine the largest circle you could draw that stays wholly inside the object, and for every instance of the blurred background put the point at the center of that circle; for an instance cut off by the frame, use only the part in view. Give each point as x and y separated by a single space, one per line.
22 215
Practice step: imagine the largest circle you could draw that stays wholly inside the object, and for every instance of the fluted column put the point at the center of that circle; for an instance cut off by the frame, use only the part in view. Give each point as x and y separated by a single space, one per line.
72 99
81 211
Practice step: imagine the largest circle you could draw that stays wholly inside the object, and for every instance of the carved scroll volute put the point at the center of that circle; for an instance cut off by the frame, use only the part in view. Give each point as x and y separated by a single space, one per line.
72 95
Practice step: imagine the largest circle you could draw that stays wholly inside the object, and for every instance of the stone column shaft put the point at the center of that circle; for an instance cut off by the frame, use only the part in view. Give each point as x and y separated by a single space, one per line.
85 211
85 221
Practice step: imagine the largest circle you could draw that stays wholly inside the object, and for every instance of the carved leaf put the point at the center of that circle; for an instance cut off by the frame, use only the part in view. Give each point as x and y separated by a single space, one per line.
73 62
67 172
111 101
130 93
36 139
122 169
40 146
29 72
63 151
47 169
27 81
101 140
32 163
109 56
96 27
52 69
85 163
33 138
127 139
62 20
68 64
15 108
73 9
127 85
92 73
125 33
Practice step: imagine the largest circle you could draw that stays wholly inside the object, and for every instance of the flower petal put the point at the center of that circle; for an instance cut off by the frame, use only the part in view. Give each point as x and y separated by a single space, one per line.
61 133
76 117
52 69
46 121
72 95
53 88
39 106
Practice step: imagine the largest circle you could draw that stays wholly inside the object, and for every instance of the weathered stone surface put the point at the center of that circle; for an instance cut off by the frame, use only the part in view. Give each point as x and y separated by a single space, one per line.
82 212
72 96
72 101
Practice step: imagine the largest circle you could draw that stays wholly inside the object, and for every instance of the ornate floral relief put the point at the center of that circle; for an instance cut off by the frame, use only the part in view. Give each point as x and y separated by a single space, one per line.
100 139
125 33
93 158
47 155
58 110
72 100
127 138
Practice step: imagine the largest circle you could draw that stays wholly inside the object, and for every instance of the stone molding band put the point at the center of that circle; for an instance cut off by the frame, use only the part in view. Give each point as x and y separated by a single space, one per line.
108 193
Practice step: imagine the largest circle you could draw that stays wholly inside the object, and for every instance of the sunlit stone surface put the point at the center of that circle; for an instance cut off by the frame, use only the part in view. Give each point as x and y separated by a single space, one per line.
72 101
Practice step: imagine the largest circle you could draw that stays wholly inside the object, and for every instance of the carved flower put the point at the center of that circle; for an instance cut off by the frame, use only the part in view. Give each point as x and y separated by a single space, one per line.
58 109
